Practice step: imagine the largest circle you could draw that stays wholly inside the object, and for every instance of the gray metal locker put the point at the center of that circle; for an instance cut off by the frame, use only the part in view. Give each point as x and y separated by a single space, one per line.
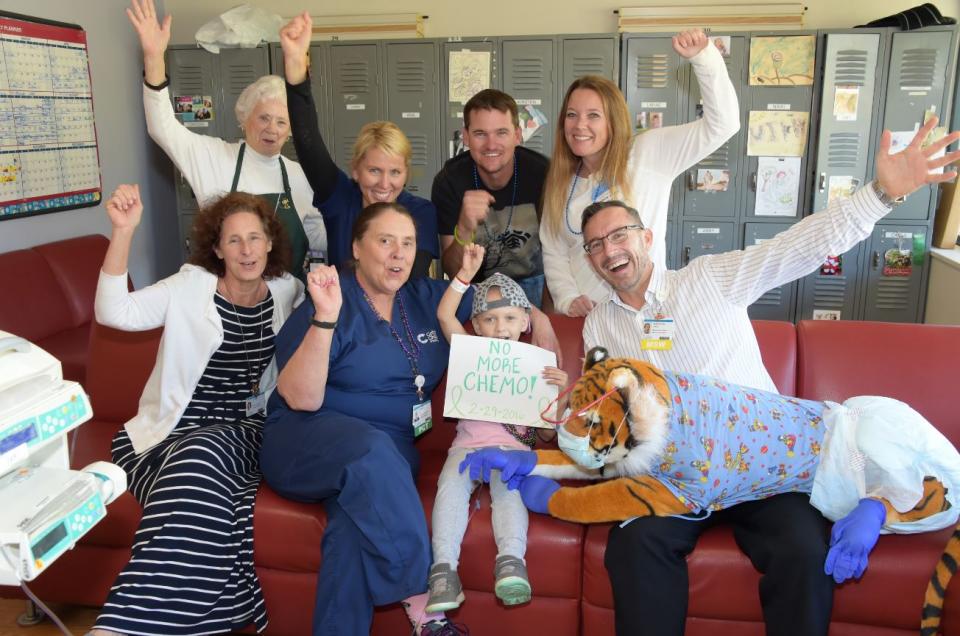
356 97
896 275
671 239
830 293
413 103
705 237
319 70
849 99
238 69
528 76
586 55
649 78
777 303
193 71
782 97
698 199
452 124
921 67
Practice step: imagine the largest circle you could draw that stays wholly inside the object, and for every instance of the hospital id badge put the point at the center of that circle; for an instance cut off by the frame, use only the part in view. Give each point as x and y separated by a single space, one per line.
422 418
256 403
658 334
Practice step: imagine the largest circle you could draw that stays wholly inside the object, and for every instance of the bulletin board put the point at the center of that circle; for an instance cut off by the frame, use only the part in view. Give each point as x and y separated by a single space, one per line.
49 160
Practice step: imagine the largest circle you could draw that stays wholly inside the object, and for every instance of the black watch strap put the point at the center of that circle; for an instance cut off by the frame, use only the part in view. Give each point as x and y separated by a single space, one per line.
323 325
156 87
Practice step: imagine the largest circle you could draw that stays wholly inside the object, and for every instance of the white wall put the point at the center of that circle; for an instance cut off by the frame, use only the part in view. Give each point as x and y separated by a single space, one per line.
508 17
126 153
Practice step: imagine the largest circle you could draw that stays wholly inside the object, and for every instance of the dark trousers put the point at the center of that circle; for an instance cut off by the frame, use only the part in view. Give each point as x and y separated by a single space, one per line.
784 536
375 547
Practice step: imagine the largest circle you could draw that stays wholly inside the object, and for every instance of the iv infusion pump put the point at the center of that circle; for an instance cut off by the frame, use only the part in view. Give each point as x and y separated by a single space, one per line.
45 507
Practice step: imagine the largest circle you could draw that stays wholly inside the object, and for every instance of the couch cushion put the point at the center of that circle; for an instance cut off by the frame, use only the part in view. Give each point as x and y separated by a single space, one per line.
76 263
119 364
72 348
778 349
913 363
33 304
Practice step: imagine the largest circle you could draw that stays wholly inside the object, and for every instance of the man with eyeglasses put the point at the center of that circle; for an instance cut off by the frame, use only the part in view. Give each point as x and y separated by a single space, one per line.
695 320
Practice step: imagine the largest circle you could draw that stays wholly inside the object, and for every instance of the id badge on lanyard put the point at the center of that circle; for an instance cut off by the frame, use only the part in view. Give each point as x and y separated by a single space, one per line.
422 418
658 333
256 403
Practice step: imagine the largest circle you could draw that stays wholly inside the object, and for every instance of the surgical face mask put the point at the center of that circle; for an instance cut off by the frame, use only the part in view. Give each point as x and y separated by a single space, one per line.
578 449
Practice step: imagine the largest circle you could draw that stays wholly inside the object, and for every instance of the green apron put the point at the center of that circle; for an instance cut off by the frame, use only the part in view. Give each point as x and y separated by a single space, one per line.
283 206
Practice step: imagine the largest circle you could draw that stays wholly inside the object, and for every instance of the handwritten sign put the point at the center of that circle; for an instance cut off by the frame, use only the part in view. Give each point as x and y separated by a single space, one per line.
498 381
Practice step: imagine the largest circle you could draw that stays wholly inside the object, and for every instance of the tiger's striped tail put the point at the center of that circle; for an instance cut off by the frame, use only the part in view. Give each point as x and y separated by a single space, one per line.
937 588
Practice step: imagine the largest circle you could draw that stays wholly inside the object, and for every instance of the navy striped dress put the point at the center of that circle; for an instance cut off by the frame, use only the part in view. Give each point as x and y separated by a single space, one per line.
191 570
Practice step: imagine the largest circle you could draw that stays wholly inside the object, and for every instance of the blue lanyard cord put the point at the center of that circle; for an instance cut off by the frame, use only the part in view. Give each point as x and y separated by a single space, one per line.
597 191
513 200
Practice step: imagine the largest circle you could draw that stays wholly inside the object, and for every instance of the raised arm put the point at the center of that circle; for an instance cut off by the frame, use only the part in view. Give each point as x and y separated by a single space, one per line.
447 309
312 153
154 37
303 381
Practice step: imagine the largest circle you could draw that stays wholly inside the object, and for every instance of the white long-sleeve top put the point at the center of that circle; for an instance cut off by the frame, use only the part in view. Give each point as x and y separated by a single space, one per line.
708 298
192 330
657 156
208 164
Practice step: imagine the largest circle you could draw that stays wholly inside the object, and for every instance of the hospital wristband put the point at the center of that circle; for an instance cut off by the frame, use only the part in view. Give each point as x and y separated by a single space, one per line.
459 286
459 240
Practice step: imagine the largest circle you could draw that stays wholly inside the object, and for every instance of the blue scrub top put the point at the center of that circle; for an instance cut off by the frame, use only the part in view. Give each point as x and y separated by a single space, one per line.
369 376
341 210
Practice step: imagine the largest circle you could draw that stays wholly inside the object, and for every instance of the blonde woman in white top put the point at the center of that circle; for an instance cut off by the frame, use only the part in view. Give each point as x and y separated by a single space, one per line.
596 157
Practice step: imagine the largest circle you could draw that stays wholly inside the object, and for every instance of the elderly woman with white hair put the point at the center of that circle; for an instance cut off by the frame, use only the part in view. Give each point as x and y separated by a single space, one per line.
213 166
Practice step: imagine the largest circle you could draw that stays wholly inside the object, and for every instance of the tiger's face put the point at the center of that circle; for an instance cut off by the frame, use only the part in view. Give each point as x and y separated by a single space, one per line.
619 412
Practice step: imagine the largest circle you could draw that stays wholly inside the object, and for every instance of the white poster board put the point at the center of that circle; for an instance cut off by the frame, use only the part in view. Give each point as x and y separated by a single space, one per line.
498 381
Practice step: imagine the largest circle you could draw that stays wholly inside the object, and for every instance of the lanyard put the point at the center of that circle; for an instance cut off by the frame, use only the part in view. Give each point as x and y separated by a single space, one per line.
254 380
513 199
601 187
413 353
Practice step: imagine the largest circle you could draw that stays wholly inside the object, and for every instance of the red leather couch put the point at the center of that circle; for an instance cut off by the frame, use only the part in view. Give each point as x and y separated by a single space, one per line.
823 360
47 294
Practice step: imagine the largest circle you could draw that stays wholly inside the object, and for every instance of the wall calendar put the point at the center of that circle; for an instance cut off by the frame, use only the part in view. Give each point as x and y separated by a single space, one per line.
48 142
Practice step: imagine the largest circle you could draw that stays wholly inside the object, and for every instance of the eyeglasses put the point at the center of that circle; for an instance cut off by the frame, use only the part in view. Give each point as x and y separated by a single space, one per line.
616 237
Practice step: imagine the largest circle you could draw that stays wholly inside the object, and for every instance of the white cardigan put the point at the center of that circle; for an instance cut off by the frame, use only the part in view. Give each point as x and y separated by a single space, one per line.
208 164
183 305
657 156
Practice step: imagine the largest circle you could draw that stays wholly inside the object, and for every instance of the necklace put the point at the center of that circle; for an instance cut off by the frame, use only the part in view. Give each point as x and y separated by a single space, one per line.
252 377
597 191
413 353
513 200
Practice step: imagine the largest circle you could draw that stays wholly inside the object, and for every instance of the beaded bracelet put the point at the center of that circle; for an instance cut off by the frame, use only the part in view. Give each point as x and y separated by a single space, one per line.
457 238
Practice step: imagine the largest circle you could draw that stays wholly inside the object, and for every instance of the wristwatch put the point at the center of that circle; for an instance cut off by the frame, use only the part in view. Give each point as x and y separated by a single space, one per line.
885 198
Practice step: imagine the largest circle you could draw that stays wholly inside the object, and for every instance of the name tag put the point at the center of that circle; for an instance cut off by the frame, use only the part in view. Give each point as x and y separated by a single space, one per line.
658 334
255 404
422 418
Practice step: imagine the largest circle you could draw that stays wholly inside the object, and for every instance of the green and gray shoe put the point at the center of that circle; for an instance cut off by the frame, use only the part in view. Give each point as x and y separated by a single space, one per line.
446 593
512 586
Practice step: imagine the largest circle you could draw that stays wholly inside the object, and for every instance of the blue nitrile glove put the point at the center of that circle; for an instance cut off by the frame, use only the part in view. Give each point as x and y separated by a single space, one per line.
536 492
852 539
509 463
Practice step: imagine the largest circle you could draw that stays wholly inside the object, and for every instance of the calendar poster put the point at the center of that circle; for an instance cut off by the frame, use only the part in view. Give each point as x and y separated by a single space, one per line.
48 142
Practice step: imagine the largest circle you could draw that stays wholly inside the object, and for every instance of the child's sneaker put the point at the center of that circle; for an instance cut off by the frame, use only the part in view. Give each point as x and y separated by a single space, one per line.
446 593
512 586
444 628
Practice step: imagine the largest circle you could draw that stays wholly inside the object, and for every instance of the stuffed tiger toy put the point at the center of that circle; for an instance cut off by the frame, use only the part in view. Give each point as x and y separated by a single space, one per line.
664 443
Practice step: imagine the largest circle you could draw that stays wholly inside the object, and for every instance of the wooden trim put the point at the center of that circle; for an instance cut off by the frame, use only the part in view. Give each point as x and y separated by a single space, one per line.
371 28
732 20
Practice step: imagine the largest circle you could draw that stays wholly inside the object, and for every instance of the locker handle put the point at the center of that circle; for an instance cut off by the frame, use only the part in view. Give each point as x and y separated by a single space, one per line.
753 181
686 254
823 181
876 259
691 181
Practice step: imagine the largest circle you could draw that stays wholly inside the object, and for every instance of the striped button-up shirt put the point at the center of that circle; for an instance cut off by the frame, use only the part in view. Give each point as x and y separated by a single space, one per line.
708 298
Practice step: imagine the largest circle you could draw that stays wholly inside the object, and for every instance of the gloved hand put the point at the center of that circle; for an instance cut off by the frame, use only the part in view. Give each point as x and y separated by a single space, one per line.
509 463
852 539
536 492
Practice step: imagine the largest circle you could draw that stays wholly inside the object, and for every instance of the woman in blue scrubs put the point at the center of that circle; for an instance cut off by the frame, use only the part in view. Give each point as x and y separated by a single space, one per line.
359 360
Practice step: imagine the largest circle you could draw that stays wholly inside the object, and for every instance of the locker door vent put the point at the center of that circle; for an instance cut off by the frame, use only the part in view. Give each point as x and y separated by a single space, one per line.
652 71
843 150
536 143
355 76
772 298
346 150
829 292
239 76
719 158
410 76
527 74
583 65
419 150
190 80
893 293
851 67
917 67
